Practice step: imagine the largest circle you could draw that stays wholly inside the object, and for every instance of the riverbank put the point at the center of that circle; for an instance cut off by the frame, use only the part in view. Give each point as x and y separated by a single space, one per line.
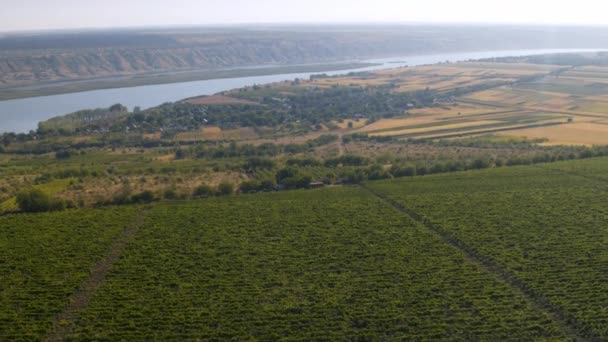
64 87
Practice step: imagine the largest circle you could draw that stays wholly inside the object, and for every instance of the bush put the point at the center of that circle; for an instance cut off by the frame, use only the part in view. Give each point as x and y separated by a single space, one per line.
403 171
170 194
353 176
298 181
64 154
347 160
143 197
376 172
225 189
257 163
268 184
35 201
250 186
202 191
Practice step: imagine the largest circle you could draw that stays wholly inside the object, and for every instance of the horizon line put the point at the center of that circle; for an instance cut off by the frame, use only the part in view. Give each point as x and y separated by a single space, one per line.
244 24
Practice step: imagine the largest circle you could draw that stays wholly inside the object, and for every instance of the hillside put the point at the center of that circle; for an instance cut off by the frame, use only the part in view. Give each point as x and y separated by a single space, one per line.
29 59
523 258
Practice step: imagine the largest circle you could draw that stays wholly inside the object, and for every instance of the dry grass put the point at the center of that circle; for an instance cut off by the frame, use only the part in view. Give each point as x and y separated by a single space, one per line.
455 110
290 139
384 124
436 128
583 133
212 133
152 136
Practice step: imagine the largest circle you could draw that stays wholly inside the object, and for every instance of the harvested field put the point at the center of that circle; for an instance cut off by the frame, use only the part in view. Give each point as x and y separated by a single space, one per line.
212 133
584 133
384 124
410 131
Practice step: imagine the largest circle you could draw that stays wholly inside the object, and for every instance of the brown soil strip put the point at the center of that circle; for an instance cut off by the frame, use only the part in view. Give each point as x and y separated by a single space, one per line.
219 100
63 323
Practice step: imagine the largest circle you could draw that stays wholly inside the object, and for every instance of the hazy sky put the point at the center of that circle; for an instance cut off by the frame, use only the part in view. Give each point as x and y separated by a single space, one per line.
53 14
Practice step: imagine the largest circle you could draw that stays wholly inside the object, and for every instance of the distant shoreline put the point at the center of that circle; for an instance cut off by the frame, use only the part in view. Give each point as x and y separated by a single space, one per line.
75 86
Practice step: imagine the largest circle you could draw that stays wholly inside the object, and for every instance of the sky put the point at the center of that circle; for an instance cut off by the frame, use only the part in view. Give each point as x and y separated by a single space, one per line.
17 15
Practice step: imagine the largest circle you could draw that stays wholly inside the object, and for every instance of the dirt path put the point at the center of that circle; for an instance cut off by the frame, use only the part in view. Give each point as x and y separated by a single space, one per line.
341 147
63 323
570 326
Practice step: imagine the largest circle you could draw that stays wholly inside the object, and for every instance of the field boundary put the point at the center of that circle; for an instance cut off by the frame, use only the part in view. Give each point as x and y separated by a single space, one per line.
570 326
64 322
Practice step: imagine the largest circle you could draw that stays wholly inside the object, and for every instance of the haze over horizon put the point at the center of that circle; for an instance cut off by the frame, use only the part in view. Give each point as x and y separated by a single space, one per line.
25 15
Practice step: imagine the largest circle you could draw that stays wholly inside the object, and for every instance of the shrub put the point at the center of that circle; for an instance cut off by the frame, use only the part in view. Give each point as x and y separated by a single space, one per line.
268 184
257 163
376 172
143 197
202 191
225 189
403 171
170 194
353 176
34 201
297 182
64 154
250 186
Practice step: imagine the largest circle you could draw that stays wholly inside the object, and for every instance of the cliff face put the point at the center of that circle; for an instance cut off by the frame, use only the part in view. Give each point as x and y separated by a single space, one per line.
29 59
26 66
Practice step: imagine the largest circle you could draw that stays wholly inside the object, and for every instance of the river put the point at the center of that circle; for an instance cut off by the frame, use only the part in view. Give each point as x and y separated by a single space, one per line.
22 115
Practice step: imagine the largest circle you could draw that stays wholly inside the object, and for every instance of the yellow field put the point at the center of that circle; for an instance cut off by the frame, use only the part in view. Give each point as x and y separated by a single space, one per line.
453 110
435 128
212 133
584 133
393 123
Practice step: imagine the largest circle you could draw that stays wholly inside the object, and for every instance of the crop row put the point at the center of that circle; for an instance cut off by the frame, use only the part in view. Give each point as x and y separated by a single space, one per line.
43 259
546 228
333 263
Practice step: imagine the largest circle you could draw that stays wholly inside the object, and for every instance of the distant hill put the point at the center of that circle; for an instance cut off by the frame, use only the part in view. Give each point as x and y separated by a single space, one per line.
27 59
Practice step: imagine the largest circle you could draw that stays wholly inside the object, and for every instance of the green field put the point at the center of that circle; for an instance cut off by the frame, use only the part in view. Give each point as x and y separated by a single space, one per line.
513 253
545 228
44 258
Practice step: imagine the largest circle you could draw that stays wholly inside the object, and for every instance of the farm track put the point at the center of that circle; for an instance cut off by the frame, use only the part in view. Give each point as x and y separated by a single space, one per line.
574 329
63 323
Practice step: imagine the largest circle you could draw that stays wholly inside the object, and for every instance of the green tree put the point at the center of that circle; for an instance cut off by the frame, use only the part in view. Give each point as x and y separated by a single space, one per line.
34 201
